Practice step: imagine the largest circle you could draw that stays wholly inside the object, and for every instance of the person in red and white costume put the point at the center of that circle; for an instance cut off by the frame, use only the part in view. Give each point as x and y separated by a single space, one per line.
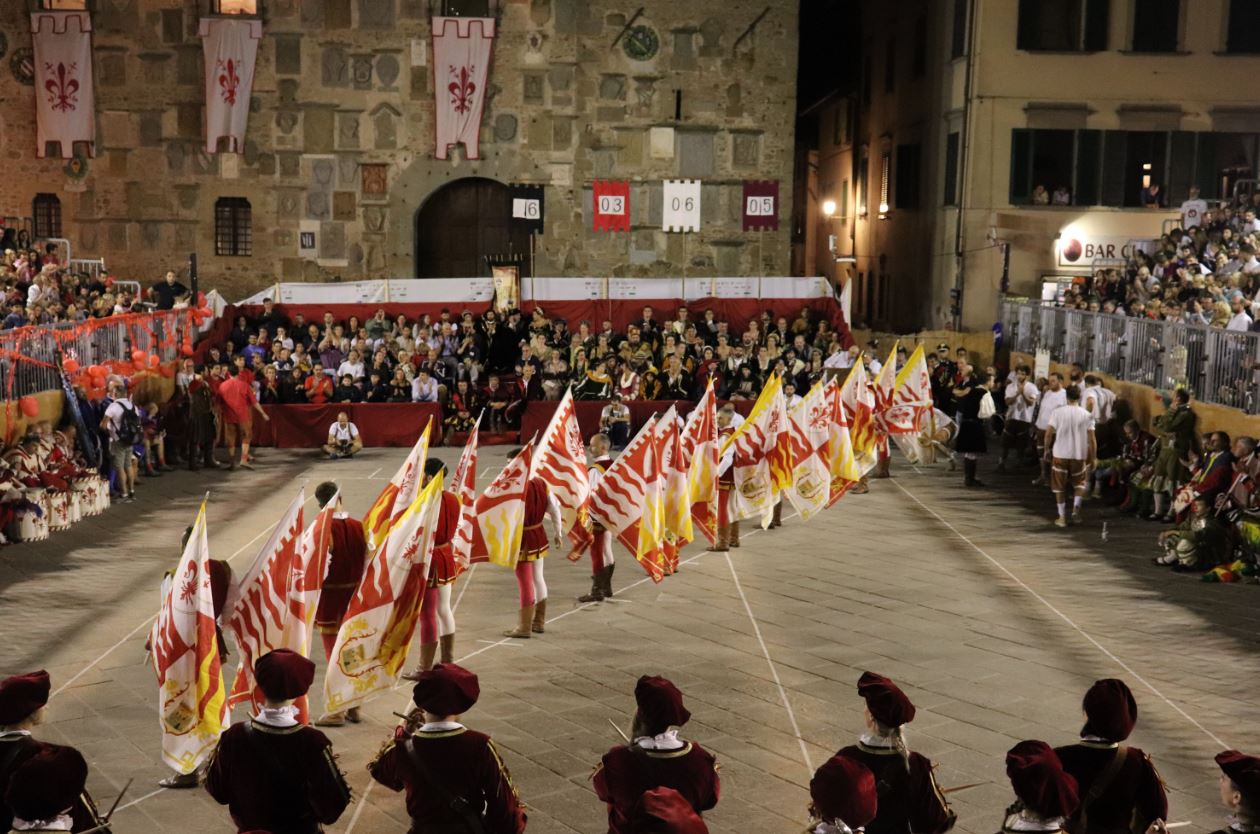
539 505
602 559
437 617
347 559
728 530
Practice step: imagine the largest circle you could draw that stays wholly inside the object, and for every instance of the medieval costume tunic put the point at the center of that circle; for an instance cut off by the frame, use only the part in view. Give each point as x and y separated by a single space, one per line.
909 799
347 556
16 748
626 771
442 566
602 560
538 503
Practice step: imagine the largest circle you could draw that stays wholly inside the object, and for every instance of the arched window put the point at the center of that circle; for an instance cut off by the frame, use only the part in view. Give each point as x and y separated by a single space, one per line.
46 210
233 227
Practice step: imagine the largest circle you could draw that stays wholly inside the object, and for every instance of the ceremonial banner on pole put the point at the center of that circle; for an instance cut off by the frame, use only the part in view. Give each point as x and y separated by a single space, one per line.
312 569
911 404
841 461
398 494
699 443
192 700
681 212
492 531
611 206
761 205
859 414
507 287
464 485
259 608
762 459
627 500
65 102
527 207
376 631
561 464
230 49
810 423
675 491
461 73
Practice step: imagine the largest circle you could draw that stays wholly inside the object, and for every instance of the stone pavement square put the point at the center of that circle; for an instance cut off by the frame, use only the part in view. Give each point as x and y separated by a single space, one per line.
992 620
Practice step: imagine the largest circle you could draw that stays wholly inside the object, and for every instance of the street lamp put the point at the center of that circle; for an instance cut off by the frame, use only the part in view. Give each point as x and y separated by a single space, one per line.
829 208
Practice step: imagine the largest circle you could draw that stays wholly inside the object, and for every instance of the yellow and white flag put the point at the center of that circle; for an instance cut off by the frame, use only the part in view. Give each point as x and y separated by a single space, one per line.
811 421
762 459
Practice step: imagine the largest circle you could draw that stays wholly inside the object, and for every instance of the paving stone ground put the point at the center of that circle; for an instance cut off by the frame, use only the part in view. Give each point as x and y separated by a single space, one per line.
991 619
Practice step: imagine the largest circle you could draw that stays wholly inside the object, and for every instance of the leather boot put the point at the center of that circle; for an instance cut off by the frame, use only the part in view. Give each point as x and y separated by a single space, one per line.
447 642
524 617
539 624
734 534
608 572
777 521
723 539
427 652
597 588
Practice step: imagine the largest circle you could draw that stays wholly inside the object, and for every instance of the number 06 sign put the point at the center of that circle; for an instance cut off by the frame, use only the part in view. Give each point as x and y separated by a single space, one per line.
761 205
682 206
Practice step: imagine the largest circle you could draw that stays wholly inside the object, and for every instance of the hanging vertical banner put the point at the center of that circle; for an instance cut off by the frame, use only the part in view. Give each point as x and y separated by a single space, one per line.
230 47
65 107
612 205
682 206
761 205
527 207
507 287
461 70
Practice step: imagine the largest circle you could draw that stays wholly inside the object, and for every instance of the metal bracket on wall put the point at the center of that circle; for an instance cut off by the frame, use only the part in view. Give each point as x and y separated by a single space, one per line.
748 32
626 28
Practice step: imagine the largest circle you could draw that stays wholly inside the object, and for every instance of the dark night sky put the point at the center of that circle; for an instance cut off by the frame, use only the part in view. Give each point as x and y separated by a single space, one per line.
828 48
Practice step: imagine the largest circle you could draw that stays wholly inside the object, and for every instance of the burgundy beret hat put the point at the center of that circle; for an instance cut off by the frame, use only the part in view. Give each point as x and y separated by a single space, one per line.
887 703
22 695
660 704
1243 771
1040 781
844 789
446 689
283 674
1110 711
665 811
47 784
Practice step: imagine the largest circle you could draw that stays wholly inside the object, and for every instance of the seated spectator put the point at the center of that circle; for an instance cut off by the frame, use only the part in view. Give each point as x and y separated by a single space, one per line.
424 389
651 387
346 391
627 381
352 367
746 386
462 410
1197 543
1212 474
1135 452
614 421
269 389
497 399
596 383
343 438
293 388
319 387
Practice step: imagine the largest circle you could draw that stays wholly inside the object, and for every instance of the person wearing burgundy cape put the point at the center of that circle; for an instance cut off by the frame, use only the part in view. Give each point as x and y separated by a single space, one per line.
665 811
46 789
1045 794
437 617
909 799
1119 787
451 774
539 505
655 758
347 559
23 706
275 774
842 796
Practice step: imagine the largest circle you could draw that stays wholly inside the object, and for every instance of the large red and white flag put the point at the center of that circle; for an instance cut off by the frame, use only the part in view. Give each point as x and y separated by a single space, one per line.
675 491
762 460
842 464
628 501
461 73
259 609
859 413
492 531
230 49
65 102
380 621
193 702
882 387
312 569
464 485
561 464
398 494
911 405
700 444
811 421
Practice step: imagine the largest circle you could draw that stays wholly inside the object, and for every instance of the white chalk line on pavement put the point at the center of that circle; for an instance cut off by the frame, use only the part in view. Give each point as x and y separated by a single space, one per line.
1049 605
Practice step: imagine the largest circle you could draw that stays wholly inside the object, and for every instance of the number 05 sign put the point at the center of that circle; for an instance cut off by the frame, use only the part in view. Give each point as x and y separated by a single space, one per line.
761 205
682 206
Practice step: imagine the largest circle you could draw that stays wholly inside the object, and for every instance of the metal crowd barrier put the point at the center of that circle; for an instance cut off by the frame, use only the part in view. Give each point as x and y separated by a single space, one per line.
1216 365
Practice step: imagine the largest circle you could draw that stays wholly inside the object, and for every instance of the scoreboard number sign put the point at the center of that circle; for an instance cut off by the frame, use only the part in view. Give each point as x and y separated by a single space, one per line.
526 209
761 205
681 208
610 201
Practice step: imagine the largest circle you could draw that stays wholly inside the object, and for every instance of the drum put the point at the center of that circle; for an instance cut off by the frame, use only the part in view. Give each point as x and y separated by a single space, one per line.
58 508
32 526
89 498
102 495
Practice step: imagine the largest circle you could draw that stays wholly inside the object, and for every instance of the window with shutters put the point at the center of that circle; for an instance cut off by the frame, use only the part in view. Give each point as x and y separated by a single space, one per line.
46 213
885 174
907 182
1063 25
233 227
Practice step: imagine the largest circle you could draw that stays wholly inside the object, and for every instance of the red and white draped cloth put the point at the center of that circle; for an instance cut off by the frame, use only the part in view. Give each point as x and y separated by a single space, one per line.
230 48
65 107
461 71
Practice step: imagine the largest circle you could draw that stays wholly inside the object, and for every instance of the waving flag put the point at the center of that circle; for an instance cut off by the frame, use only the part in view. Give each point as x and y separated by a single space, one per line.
398 494
699 443
810 423
911 405
561 464
192 698
260 608
492 531
376 631
675 491
312 568
842 464
627 500
762 460
464 485
859 413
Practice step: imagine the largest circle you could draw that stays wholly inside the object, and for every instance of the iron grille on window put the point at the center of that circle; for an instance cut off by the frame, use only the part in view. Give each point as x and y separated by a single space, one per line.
233 227
47 213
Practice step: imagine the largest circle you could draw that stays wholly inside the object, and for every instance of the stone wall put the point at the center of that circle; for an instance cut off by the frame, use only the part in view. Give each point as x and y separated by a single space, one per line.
346 84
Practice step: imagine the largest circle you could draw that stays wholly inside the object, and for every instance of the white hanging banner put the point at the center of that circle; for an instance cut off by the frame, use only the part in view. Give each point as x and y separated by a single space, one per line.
461 71
682 206
230 47
65 107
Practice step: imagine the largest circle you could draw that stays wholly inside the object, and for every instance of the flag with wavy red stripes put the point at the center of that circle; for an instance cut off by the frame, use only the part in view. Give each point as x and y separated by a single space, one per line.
561 464
464 485
628 500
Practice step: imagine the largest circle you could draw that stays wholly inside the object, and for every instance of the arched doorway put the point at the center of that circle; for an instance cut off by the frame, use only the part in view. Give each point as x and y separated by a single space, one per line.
463 223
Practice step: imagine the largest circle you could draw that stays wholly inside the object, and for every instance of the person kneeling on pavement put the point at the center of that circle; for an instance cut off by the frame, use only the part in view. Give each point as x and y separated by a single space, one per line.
344 440
1198 543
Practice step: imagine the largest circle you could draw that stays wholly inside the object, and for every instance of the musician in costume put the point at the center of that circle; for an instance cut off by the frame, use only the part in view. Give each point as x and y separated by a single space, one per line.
1046 794
655 757
665 811
452 775
275 774
843 797
23 707
539 505
1240 791
347 560
909 799
1118 785
437 617
46 789
602 559
728 528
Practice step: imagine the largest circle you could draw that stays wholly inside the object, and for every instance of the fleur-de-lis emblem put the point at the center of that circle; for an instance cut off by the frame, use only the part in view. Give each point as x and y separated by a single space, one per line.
462 88
188 585
62 87
228 80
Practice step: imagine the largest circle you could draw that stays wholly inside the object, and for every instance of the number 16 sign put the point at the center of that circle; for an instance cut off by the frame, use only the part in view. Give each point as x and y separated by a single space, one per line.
761 205
612 205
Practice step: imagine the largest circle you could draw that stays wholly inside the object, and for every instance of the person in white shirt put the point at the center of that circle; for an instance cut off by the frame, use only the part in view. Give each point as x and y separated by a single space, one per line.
424 388
353 366
343 439
1098 401
1193 209
790 397
120 421
1052 398
1240 321
842 359
1021 400
1073 451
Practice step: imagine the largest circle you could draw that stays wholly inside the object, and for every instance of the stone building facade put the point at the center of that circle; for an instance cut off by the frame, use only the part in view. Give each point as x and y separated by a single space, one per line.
341 137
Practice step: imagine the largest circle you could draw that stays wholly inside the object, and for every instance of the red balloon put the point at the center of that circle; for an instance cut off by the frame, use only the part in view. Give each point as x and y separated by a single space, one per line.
29 406
186 350
97 370
97 393
154 361
71 365
166 371
138 355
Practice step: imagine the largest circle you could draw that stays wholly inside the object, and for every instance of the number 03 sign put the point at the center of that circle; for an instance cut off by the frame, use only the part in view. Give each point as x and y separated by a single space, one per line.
612 205
761 205
682 206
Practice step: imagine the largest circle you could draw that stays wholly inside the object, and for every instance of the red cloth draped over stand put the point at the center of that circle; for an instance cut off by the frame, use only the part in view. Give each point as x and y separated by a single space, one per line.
380 424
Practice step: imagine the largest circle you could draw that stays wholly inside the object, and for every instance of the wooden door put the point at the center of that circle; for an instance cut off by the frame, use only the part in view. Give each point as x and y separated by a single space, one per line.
463 223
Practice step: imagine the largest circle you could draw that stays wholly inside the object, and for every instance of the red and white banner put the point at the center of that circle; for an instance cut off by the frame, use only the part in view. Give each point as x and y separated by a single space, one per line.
561 464
675 488
612 205
810 431
398 494
230 47
461 70
763 460
911 404
628 501
700 455
492 531
65 107
761 205
464 485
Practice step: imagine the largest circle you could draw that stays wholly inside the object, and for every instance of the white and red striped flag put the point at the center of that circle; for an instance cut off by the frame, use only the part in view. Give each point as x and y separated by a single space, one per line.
398 494
699 443
675 491
859 414
492 531
810 423
561 464
193 703
464 485
911 404
627 500
763 455
311 569
841 462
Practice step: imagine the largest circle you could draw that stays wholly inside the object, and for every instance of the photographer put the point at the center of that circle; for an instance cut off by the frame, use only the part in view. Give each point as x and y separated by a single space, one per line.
344 441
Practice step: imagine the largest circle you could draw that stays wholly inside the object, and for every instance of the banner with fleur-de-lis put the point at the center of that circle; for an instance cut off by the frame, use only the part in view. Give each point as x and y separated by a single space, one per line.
230 49
65 107
461 72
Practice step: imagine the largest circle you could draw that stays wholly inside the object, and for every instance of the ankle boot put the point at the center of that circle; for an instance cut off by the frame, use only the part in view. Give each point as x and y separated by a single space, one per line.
607 581
447 642
524 616
723 539
597 588
734 534
539 624
427 652
777 521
